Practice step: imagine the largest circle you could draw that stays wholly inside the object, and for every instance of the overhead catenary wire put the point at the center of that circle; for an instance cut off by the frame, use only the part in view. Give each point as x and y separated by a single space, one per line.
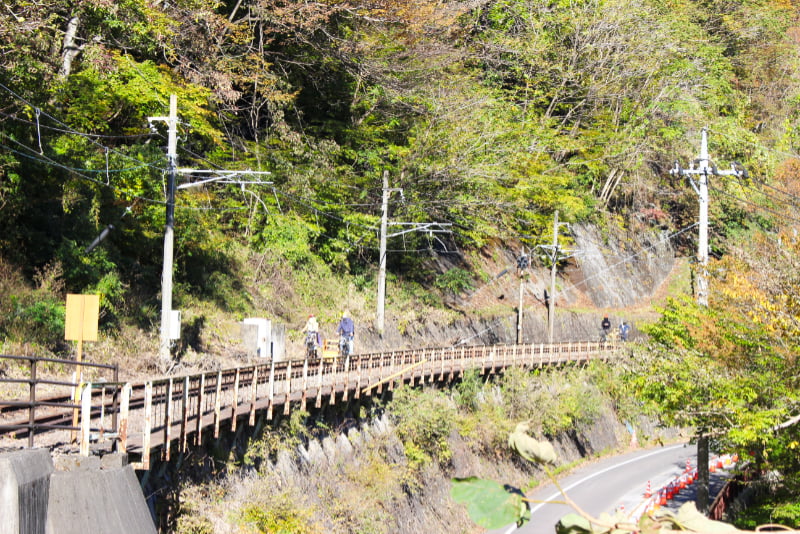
67 129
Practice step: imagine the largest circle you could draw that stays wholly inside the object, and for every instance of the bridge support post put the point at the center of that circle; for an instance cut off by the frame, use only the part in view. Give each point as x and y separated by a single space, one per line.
218 405
124 418
167 420
271 390
288 387
253 396
235 402
200 400
86 418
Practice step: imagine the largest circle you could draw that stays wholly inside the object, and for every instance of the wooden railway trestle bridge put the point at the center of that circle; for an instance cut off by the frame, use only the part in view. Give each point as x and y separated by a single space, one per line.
142 418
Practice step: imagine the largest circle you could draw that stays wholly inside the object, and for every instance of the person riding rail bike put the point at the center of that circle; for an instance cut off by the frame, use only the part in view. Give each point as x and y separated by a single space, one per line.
312 340
346 331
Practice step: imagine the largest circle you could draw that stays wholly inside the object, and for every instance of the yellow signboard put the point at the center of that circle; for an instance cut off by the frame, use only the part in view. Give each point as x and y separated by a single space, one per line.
83 314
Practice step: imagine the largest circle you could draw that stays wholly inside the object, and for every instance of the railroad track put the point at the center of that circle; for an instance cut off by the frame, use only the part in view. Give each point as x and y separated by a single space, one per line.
49 406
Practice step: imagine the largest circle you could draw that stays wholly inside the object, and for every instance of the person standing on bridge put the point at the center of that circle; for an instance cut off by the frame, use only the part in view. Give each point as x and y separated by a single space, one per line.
605 325
346 331
624 330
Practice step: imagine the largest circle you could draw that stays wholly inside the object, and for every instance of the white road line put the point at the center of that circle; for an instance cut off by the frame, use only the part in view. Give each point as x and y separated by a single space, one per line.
603 471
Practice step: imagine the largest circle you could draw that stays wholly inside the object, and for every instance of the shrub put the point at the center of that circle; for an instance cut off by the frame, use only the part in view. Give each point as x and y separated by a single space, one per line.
424 420
282 514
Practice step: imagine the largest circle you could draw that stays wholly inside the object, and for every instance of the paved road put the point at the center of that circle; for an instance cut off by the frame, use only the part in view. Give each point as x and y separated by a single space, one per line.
607 484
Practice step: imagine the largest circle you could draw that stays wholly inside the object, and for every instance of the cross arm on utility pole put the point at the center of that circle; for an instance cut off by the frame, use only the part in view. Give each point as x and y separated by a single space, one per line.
222 176
431 228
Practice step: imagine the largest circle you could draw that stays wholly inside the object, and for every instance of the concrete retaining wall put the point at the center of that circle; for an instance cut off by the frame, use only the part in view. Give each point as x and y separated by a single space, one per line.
98 501
74 494
24 490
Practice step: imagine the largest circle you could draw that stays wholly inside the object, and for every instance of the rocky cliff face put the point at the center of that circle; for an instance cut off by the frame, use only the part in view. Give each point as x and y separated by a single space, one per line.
331 474
621 271
619 275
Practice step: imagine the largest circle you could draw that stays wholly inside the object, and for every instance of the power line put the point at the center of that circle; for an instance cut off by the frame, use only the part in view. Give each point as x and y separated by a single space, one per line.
67 128
71 131
780 214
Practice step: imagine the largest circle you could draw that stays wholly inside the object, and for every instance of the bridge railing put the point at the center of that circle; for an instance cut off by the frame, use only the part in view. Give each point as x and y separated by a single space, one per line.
173 413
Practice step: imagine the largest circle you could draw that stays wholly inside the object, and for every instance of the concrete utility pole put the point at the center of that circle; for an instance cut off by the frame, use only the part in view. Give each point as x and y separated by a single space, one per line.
551 309
554 254
431 228
169 232
379 319
703 169
523 262
168 317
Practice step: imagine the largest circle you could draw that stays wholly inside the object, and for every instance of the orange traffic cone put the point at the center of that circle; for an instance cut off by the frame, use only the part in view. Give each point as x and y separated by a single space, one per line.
647 492
719 463
662 500
688 466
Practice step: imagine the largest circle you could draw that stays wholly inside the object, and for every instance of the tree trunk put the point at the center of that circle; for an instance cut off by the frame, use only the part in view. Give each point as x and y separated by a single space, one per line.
702 474
70 49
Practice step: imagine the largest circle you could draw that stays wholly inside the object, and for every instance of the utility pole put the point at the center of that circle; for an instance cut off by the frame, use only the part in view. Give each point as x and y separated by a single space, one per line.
167 314
379 321
702 170
523 262
551 309
431 228
169 230
554 254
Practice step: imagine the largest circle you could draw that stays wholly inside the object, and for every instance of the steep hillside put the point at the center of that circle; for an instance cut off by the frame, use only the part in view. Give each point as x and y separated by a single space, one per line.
454 130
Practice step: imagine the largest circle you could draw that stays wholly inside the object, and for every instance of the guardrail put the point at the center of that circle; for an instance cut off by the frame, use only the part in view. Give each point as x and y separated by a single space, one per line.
57 406
179 411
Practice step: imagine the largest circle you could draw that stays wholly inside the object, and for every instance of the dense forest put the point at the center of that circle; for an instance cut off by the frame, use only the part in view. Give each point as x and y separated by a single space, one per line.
490 116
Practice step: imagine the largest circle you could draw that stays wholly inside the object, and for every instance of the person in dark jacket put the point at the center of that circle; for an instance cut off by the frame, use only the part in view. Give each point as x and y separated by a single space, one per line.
605 325
346 331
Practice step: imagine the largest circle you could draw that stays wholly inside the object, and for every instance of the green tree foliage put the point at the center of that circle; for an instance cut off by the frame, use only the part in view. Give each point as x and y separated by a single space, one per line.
424 422
490 117
730 370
